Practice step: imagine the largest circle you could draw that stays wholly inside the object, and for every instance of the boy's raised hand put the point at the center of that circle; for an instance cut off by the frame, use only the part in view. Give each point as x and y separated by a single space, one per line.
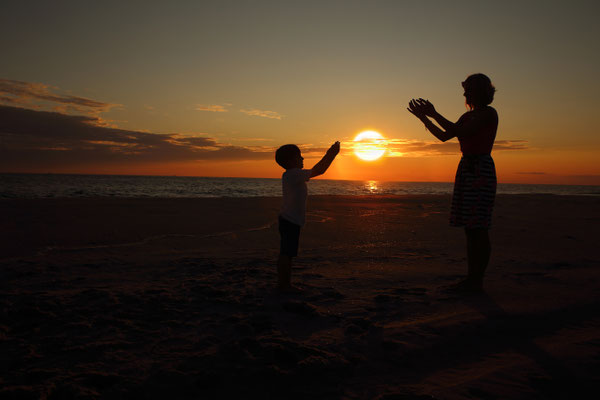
334 149
326 161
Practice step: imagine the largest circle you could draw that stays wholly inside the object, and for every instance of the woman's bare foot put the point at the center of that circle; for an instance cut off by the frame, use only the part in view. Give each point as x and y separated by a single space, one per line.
289 289
466 286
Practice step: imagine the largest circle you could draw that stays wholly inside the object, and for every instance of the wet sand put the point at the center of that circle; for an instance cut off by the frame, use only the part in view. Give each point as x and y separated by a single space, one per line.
174 298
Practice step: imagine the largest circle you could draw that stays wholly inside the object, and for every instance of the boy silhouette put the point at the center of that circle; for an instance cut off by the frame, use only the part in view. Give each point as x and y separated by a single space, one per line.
293 211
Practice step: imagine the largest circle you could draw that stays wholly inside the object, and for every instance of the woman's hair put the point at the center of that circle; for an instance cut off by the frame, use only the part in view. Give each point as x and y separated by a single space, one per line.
480 89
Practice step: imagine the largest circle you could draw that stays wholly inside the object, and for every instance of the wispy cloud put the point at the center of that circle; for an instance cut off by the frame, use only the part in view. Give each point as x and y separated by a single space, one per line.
49 139
212 107
221 108
262 113
415 148
250 139
38 95
510 145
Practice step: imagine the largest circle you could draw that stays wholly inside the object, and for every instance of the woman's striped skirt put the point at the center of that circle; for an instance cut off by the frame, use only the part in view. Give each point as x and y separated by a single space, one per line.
474 192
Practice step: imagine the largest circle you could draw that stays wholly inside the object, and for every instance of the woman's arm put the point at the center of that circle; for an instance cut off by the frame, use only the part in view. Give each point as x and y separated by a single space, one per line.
444 123
422 109
468 124
441 134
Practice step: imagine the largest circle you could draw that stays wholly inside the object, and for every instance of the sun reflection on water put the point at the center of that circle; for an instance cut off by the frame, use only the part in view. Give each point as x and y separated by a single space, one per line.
371 186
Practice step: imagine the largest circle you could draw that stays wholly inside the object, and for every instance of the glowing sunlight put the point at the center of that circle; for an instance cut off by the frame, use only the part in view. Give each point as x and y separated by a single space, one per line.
369 145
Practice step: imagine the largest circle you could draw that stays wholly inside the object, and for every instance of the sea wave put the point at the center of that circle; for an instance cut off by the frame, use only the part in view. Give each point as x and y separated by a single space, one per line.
59 185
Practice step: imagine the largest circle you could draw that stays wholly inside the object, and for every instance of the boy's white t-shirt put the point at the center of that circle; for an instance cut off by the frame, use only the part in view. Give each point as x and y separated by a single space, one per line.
293 182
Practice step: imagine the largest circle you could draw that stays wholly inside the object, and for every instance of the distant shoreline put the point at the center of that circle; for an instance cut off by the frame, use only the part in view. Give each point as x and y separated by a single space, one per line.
365 197
128 186
265 178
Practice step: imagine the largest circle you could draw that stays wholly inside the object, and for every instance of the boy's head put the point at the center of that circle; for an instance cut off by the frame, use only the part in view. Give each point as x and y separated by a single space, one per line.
289 156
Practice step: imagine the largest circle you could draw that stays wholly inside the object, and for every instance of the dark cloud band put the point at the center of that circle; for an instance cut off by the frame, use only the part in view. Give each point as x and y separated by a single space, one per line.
29 137
19 92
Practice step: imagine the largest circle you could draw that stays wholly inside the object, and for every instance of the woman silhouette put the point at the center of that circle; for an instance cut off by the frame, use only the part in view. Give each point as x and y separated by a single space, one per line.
475 182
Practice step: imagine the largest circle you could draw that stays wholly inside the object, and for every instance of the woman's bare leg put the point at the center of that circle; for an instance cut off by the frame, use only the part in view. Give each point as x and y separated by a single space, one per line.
478 255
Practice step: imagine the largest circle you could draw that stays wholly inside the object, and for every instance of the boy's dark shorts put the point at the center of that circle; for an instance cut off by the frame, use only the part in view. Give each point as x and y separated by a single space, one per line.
290 235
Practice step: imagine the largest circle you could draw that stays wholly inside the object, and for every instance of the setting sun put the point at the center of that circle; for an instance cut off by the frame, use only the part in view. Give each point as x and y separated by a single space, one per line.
369 145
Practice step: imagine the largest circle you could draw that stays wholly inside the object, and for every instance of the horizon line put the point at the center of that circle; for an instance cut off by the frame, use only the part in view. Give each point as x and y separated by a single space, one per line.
253 177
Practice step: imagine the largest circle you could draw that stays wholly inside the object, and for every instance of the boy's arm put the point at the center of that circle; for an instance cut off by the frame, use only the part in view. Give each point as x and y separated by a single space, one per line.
321 166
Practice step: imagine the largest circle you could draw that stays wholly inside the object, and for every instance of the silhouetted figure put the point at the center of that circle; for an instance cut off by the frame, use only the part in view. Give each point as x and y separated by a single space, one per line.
293 210
475 182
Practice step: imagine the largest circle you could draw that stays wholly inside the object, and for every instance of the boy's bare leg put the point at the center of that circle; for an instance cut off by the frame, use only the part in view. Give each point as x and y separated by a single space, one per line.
284 272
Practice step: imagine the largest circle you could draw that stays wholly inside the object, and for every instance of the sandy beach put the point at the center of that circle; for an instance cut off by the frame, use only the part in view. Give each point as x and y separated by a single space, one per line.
111 298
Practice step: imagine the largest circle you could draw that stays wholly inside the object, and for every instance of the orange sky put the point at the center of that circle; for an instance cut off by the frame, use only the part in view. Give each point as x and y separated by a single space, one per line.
204 89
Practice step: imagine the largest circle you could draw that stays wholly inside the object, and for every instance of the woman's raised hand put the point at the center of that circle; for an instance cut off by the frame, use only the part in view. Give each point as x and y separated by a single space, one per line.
416 108
426 107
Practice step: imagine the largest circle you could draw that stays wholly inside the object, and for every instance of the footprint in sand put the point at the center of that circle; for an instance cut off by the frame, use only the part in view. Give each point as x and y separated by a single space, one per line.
300 307
358 326
418 291
328 294
382 298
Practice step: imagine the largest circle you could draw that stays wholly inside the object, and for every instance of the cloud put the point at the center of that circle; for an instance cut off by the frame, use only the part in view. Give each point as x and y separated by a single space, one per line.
42 139
34 95
415 148
251 139
248 111
262 113
211 108
193 141
510 145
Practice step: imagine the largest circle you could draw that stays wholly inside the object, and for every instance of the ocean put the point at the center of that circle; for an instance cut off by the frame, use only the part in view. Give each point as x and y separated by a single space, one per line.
59 185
